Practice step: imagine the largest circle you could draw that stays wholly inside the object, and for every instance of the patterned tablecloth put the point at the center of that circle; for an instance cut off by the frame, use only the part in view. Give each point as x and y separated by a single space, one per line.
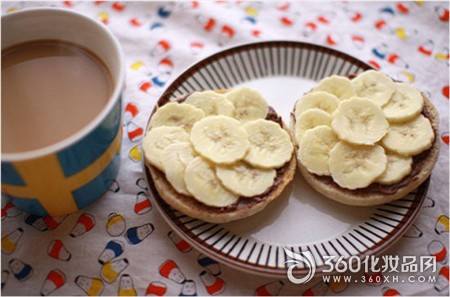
65 256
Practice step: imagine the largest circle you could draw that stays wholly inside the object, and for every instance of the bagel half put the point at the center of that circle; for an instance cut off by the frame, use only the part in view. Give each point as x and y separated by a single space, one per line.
245 207
376 193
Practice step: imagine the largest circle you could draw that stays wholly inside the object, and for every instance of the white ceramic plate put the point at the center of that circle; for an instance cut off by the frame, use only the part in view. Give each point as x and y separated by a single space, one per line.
301 219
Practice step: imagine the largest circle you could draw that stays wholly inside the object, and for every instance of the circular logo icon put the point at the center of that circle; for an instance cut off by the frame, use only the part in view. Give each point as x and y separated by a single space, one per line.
296 260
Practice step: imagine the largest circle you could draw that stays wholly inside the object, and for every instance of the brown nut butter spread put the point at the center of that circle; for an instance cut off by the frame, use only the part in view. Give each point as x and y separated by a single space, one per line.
243 202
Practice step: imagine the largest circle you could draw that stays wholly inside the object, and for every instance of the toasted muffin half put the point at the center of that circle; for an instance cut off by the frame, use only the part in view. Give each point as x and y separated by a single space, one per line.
377 193
244 207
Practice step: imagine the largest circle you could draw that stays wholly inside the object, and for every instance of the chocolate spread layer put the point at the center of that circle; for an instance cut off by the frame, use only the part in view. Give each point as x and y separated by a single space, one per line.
243 202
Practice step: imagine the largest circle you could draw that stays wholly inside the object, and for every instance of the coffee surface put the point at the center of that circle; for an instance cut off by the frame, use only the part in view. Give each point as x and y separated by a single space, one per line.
50 90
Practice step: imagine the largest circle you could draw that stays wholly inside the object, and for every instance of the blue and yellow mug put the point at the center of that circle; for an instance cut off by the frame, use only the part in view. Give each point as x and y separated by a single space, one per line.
75 172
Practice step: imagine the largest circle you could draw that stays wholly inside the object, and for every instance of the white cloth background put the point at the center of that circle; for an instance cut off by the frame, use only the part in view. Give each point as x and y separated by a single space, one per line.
407 40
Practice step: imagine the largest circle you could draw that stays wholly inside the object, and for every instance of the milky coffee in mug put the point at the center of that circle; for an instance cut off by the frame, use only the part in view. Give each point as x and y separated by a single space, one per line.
50 90
63 74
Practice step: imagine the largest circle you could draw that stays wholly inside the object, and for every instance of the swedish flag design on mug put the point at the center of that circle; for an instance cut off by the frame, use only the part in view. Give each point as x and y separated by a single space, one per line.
68 180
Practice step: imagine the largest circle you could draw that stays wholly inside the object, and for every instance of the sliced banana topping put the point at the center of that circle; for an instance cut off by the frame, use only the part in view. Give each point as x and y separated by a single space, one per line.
245 180
200 139
270 145
176 114
383 115
397 168
410 138
359 121
202 182
321 100
249 104
314 150
220 139
354 167
374 85
309 119
340 86
212 103
157 139
176 157
405 104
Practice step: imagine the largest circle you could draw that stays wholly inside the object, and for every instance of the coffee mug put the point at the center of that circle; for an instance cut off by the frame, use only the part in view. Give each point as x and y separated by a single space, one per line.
70 174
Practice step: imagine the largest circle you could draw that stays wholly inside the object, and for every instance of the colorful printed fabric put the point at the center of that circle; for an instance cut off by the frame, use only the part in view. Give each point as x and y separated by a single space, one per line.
121 245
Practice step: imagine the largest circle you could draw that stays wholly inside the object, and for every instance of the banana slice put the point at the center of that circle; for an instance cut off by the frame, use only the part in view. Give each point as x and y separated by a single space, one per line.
340 86
249 104
374 85
356 166
211 103
157 139
397 168
176 114
201 180
220 139
325 101
309 119
314 150
359 121
176 158
405 104
270 145
245 180
411 138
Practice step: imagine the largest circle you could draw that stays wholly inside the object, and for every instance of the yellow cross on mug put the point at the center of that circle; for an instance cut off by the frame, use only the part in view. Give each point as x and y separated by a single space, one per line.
45 180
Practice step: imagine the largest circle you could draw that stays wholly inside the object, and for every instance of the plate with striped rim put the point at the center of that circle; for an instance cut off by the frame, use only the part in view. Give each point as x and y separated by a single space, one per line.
301 219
